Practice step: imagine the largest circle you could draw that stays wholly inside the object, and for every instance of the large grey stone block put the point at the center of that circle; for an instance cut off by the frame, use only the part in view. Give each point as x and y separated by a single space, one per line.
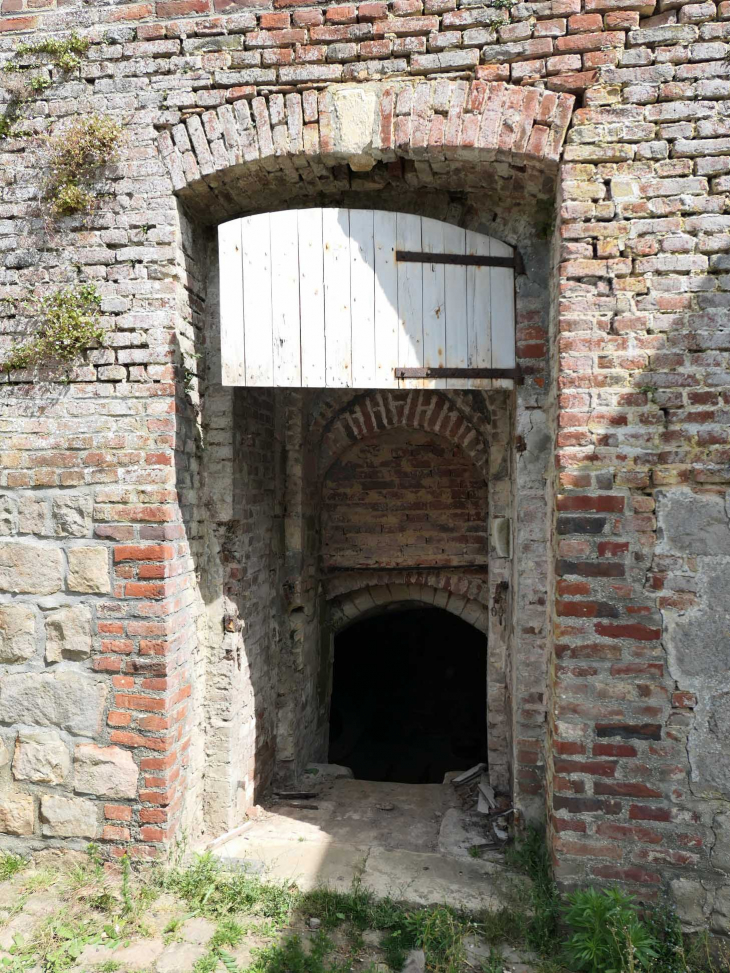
68 633
8 516
104 771
692 523
30 569
88 570
72 515
71 700
17 633
63 817
16 814
41 757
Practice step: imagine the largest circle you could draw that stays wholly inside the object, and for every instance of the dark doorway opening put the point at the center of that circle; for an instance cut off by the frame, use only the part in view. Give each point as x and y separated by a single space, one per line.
409 696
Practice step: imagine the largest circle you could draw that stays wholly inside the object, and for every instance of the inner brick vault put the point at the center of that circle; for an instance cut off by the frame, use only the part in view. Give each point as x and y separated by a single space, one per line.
176 556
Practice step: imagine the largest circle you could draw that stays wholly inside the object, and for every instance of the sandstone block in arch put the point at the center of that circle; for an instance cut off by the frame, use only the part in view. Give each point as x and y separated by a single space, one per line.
378 598
359 125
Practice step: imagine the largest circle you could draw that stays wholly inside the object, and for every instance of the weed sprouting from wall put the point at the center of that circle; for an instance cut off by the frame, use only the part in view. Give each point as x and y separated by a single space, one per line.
69 324
73 155
63 54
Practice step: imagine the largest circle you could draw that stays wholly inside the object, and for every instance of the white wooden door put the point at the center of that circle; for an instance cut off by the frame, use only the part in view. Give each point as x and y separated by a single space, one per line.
331 298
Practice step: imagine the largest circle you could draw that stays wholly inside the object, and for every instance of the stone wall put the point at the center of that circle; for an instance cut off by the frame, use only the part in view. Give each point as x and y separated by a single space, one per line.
128 563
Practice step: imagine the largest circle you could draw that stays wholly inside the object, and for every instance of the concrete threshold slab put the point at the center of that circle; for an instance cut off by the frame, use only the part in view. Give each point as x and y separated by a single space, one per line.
386 835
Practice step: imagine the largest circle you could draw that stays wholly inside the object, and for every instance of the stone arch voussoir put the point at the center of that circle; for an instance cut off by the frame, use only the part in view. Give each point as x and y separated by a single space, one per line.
304 136
423 409
364 602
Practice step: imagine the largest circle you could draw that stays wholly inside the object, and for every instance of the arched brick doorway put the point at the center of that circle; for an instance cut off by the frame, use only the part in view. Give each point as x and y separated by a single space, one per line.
265 699
409 701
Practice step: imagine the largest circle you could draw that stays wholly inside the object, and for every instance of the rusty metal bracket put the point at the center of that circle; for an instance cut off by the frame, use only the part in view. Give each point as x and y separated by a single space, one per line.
514 373
461 259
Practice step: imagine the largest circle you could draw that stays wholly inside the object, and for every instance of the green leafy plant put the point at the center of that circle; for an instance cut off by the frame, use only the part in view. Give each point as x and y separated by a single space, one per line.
39 82
18 92
495 963
69 324
10 865
66 54
530 855
73 155
609 936
290 956
126 885
214 892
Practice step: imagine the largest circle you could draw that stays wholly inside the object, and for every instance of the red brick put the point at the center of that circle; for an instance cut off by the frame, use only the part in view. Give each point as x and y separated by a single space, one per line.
372 11
18 24
606 503
117 812
181 8
625 789
643 633
640 812
112 832
585 23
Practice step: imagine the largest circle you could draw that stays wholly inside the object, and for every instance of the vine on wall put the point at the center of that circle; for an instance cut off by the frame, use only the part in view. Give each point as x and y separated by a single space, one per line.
63 54
73 155
70 324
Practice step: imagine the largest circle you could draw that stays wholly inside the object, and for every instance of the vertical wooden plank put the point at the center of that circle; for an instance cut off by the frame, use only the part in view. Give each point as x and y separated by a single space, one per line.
478 310
434 302
362 297
386 300
457 353
233 348
311 297
285 310
410 298
337 322
503 313
256 243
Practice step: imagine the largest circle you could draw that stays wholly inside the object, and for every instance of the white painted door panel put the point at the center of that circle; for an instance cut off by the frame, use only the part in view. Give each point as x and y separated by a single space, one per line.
316 299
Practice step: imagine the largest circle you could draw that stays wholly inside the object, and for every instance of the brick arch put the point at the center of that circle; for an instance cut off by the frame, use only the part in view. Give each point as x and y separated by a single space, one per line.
425 409
222 163
375 599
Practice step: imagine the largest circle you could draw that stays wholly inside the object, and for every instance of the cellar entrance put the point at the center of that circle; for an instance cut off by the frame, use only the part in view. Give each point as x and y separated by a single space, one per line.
409 696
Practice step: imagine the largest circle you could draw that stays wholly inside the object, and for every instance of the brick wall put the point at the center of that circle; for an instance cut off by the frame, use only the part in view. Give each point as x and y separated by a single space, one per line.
231 107
404 499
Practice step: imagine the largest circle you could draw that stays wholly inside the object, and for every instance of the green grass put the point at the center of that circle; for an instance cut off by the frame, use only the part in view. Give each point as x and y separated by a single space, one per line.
567 932
10 865
530 855
211 891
